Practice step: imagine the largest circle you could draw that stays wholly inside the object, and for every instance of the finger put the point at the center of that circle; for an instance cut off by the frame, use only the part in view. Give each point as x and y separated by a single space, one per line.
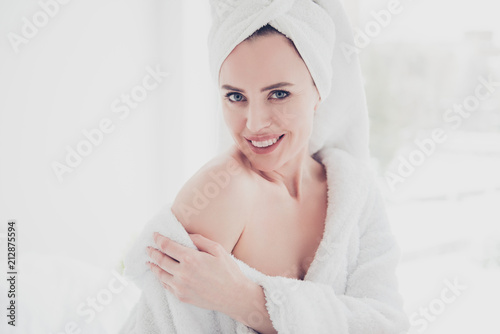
162 275
165 262
166 286
171 248
206 245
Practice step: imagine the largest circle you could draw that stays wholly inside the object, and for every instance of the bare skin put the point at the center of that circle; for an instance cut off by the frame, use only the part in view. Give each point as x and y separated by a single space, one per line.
271 212
266 89
282 232
256 220
260 223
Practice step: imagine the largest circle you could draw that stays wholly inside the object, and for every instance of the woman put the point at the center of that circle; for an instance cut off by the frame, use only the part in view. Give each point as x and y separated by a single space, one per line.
290 231
281 185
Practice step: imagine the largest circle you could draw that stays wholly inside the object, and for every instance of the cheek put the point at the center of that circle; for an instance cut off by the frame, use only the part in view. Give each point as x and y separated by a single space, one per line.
233 119
296 117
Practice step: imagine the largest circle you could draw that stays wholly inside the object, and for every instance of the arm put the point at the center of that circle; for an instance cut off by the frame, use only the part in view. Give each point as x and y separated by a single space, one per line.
219 215
220 220
370 303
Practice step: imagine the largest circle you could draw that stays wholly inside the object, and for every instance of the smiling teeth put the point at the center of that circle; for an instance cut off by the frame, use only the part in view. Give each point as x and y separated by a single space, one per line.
264 143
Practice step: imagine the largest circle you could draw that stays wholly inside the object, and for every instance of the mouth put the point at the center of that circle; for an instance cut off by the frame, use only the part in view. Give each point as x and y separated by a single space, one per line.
265 143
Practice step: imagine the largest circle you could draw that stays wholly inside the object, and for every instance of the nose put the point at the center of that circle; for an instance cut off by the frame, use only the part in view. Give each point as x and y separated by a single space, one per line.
258 117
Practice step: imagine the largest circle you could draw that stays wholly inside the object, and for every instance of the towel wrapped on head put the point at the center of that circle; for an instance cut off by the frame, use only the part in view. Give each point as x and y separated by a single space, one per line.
317 29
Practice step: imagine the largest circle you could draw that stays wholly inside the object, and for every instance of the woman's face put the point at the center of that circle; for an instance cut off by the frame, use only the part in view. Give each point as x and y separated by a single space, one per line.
267 91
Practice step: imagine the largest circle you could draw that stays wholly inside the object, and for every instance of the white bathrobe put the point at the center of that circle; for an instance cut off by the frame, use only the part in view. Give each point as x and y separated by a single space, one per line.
350 286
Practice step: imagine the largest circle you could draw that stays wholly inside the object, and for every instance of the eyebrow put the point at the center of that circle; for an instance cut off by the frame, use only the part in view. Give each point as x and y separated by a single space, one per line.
273 86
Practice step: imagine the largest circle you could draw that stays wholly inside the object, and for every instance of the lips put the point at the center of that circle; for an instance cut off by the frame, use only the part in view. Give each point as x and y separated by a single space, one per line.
266 149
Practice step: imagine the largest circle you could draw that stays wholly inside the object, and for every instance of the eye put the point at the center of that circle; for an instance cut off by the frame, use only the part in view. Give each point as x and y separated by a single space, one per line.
234 97
280 94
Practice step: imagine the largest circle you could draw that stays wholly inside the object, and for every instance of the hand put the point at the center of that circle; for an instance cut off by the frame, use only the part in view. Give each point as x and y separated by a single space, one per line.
207 278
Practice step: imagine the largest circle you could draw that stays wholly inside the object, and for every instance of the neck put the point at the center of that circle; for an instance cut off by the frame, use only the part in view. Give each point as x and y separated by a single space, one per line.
295 174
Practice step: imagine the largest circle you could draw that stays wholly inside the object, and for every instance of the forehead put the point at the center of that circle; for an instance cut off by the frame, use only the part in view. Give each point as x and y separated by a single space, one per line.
265 60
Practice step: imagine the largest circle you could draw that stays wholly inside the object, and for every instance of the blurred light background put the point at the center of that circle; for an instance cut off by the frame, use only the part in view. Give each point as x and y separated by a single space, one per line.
83 61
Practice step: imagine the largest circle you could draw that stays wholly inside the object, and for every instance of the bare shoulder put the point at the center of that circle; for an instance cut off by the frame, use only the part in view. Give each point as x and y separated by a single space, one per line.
213 201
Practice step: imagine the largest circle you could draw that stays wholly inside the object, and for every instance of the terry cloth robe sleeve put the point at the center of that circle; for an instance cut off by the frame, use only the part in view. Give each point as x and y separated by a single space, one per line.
370 303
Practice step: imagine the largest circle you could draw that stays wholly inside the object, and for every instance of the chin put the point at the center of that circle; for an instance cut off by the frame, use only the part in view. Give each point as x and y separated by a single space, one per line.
264 163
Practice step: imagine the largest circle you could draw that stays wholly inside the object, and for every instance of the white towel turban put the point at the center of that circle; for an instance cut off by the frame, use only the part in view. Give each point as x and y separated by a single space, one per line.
318 29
